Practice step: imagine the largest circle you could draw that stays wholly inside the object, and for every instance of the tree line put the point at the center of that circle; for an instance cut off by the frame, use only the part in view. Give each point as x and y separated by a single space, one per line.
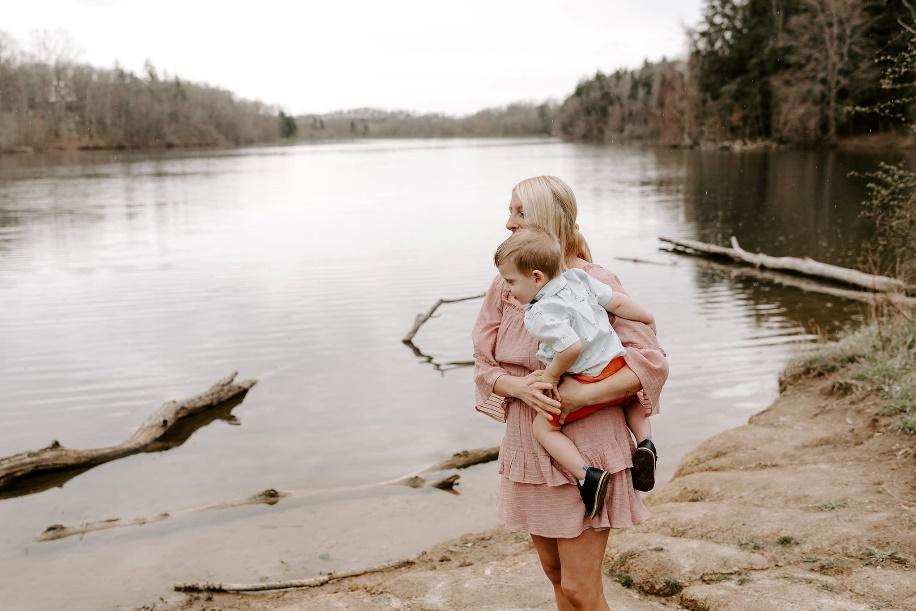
48 100
788 71
518 119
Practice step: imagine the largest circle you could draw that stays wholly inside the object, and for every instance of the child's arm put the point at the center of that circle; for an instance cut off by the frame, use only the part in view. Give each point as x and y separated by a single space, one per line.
623 306
561 363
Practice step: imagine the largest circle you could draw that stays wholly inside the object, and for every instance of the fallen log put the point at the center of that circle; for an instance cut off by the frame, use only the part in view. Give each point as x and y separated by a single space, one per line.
311 582
152 435
804 266
902 302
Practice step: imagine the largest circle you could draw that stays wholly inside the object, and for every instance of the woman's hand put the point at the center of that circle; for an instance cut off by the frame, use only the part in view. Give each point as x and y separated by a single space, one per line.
575 395
572 397
531 390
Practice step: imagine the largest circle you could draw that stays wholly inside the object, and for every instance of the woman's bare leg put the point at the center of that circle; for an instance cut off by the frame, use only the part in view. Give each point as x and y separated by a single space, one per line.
637 421
580 560
550 562
559 446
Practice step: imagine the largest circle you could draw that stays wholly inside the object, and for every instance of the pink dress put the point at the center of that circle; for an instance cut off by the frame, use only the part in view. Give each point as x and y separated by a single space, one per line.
536 494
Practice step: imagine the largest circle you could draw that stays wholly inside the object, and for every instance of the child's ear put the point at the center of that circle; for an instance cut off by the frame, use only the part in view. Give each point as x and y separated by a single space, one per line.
538 275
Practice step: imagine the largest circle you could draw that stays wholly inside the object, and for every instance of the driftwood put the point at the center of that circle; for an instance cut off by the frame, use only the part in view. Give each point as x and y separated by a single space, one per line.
805 266
422 318
152 435
282 585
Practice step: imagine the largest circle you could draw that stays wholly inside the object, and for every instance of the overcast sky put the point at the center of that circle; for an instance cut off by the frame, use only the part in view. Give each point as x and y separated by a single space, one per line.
454 57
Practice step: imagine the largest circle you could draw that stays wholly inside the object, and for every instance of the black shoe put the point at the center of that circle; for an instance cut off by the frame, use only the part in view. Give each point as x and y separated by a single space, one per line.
644 459
594 490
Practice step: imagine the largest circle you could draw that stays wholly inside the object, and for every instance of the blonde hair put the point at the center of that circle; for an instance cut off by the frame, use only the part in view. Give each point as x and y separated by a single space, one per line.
530 249
549 203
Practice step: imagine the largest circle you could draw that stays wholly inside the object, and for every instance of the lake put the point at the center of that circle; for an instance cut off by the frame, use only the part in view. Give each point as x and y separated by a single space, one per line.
129 279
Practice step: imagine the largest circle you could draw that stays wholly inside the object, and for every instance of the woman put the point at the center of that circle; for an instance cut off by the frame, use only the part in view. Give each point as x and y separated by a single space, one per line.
536 495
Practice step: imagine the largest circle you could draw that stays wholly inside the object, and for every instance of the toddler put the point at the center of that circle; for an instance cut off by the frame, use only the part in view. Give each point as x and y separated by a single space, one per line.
567 312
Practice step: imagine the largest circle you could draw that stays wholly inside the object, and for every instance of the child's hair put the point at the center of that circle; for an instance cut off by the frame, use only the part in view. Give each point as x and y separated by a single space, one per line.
530 249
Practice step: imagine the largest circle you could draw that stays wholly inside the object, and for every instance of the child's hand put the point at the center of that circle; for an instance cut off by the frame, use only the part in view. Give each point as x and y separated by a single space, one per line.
552 380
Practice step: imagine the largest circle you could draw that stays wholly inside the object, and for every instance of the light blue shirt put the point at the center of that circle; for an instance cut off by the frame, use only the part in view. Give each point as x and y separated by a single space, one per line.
570 309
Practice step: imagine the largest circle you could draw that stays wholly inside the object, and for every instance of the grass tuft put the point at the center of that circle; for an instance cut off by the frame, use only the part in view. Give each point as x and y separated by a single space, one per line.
832 505
624 580
748 543
875 556
878 358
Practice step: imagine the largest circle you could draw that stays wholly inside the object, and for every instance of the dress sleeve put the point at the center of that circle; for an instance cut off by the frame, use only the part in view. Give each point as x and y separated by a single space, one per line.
486 369
645 357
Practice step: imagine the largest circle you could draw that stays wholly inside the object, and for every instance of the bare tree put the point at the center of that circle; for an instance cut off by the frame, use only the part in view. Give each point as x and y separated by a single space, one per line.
828 40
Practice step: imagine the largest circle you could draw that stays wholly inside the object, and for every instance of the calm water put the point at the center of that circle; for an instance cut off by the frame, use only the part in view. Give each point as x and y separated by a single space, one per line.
127 280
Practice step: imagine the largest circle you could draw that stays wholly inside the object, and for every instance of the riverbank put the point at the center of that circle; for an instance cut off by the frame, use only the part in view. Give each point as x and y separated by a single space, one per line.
810 505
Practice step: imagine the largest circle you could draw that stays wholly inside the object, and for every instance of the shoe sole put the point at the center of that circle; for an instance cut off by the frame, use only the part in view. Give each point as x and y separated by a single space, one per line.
600 493
643 469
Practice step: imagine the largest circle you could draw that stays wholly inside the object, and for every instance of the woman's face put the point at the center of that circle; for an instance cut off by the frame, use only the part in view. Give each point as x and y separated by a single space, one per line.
516 215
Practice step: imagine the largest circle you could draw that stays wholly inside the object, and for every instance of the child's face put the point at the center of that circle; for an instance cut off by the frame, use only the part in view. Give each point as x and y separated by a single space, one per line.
522 286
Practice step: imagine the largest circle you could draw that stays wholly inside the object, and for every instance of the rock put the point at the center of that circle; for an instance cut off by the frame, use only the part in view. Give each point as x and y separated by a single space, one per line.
764 594
662 565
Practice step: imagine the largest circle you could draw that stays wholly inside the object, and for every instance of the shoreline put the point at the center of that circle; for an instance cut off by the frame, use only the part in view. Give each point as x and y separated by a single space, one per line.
810 505
878 142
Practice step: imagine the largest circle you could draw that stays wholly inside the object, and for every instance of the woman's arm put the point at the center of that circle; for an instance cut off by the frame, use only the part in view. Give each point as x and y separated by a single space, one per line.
575 395
487 370
493 383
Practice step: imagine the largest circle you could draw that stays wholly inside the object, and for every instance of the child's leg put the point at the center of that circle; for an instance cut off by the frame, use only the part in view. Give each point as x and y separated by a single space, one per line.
637 420
559 446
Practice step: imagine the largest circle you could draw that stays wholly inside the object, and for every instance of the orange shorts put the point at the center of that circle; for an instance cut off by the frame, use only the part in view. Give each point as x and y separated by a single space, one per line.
613 367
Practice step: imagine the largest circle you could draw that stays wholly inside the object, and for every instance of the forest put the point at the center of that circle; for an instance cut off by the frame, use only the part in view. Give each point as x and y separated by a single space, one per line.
48 100
796 72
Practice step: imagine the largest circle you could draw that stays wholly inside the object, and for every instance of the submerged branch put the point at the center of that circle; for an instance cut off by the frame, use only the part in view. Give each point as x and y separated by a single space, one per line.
271 496
422 318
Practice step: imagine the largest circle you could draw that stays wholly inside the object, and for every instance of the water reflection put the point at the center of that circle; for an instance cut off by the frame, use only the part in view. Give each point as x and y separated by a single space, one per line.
794 203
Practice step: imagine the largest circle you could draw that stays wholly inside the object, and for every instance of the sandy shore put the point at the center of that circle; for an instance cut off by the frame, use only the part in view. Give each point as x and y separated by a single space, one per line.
811 505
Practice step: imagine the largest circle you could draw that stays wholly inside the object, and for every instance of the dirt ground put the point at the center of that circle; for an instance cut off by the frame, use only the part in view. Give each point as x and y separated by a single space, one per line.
811 505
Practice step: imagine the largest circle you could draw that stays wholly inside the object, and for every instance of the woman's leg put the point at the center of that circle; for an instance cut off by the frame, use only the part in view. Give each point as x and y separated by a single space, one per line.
550 562
559 446
637 421
580 561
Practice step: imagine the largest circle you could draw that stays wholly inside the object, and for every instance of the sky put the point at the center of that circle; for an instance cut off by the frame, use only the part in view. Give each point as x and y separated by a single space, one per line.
312 57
